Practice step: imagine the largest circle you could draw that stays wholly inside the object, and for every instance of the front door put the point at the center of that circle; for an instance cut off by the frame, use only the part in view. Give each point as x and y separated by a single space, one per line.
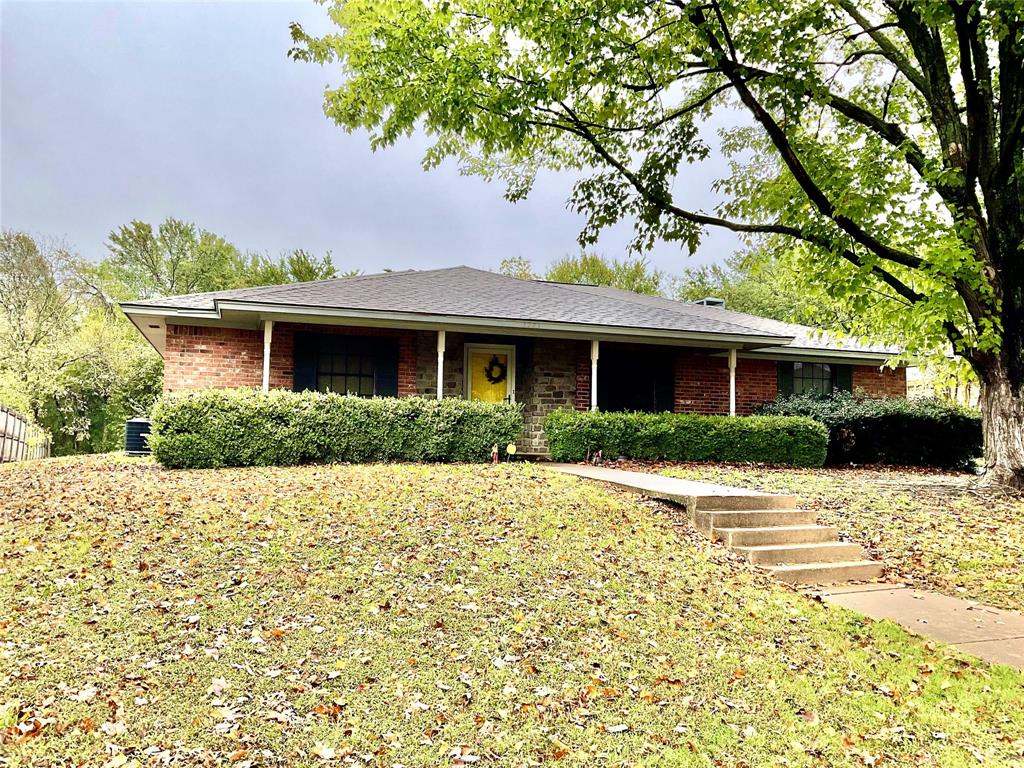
490 372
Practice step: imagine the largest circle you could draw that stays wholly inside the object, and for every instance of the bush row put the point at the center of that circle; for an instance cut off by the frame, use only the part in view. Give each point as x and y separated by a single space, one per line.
892 430
242 427
793 441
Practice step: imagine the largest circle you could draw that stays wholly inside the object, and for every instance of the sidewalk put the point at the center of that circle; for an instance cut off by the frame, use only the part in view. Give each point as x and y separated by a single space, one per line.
989 633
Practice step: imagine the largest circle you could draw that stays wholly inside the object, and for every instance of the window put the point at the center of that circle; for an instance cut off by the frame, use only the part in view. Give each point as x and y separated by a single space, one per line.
813 377
366 366
346 372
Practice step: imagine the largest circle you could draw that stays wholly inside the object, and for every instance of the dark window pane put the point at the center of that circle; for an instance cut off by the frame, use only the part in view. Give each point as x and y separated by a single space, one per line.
347 365
813 377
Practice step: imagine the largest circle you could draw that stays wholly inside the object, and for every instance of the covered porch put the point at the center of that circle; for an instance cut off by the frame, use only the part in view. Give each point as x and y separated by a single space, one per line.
541 372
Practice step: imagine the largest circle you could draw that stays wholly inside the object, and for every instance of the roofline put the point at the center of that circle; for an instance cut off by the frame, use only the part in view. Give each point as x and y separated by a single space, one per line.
433 320
821 354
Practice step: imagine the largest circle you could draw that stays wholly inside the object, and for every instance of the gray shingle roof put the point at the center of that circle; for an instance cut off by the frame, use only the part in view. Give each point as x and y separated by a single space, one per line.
475 293
804 337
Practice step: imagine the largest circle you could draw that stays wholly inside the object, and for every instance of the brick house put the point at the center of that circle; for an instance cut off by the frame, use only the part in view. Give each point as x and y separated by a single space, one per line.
464 332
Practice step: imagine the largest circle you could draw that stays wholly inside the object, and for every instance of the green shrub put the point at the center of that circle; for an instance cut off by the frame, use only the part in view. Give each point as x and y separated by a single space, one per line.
243 427
892 430
793 441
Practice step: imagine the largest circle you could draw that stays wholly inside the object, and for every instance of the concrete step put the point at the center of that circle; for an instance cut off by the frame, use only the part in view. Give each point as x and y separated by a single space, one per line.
754 518
827 573
777 534
819 552
740 501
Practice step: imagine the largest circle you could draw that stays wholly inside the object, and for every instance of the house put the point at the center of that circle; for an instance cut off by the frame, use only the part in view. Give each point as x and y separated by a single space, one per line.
464 332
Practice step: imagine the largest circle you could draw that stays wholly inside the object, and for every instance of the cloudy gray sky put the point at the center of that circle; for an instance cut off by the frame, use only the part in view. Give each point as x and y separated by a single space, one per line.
143 110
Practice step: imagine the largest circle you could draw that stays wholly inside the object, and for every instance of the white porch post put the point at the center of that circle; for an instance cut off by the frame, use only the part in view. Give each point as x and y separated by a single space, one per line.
268 334
440 364
732 382
594 350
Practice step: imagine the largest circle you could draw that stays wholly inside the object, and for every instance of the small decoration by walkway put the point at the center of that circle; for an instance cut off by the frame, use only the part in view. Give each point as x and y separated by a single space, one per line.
766 528
991 633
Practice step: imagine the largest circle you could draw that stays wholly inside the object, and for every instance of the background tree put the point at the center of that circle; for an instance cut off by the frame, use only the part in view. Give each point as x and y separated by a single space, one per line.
761 282
38 305
517 266
629 274
886 139
176 258
297 266
591 269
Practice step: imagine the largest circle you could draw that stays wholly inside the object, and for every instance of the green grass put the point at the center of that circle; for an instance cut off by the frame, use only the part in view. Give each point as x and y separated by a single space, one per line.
935 530
426 615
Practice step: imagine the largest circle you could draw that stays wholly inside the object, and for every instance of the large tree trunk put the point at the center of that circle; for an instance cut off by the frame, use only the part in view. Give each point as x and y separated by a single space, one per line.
1002 413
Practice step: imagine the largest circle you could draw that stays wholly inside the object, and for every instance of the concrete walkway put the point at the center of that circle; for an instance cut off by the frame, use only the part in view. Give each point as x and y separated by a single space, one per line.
989 633
686 492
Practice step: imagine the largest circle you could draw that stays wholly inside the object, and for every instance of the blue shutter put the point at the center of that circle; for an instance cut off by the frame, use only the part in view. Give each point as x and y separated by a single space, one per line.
844 378
304 362
385 369
785 379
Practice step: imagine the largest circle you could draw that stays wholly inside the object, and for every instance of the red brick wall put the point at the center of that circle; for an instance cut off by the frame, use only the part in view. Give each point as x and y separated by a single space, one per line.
198 357
757 382
880 382
702 384
583 380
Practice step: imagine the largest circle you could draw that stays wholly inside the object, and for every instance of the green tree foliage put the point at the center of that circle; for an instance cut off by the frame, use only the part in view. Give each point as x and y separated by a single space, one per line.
38 307
298 266
517 266
592 269
884 142
177 257
761 283
68 359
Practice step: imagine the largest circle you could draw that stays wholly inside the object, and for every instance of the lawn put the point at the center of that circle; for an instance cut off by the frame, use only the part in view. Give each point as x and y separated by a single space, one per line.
934 530
422 616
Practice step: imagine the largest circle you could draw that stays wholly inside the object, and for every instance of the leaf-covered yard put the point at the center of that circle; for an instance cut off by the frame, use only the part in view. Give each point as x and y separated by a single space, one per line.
424 615
936 530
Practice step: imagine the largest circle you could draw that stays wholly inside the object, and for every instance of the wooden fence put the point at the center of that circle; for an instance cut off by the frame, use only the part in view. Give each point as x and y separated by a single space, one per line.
20 440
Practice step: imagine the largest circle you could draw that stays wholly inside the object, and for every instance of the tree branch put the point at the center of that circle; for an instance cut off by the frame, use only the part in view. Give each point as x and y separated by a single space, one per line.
778 138
888 47
666 205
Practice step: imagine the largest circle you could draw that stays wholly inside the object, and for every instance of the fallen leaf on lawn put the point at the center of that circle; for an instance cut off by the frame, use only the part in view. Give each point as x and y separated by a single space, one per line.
323 751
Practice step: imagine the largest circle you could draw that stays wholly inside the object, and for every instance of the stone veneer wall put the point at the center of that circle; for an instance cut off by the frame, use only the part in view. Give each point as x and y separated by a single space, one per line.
551 384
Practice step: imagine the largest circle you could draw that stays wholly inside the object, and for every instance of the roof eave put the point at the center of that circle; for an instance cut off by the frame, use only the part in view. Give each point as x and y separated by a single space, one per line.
454 322
819 354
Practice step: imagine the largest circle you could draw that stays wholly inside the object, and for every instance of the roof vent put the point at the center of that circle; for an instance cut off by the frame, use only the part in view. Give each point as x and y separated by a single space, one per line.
711 301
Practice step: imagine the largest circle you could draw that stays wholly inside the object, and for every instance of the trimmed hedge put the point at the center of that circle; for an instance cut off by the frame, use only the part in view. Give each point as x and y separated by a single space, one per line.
243 427
793 441
892 430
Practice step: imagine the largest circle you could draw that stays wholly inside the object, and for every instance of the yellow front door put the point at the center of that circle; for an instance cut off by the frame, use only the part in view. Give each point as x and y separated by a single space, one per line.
489 375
